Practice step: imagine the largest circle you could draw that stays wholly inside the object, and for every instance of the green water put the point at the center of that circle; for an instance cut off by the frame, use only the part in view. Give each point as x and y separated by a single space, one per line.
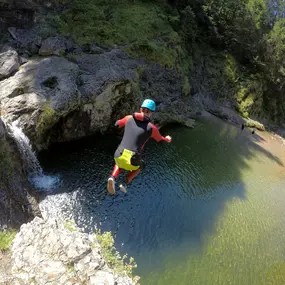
208 209
246 240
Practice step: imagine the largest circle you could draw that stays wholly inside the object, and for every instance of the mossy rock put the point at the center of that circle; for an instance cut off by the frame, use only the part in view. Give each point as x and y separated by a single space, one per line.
48 118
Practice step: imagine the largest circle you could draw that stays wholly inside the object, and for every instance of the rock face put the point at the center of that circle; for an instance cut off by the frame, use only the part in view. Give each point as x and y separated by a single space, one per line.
41 92
9 63
27 41
21 13
16 203
165 87
60 99
56 99
27 4
48 253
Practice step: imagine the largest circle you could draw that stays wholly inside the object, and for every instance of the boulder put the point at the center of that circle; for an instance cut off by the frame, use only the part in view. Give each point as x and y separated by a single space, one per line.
94 48
50 252
40 93
55 46
9 63
79 96
26 40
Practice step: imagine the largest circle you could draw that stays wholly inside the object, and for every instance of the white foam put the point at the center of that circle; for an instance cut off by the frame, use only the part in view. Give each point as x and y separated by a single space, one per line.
32 165
45 182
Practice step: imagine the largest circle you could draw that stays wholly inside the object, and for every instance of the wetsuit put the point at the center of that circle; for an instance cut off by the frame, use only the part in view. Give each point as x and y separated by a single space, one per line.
138 130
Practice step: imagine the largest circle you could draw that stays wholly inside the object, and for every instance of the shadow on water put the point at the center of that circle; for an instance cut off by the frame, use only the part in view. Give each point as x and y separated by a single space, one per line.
258 138
177 198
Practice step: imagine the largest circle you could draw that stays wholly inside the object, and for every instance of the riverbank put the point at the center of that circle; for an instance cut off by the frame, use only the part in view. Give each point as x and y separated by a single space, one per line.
265 136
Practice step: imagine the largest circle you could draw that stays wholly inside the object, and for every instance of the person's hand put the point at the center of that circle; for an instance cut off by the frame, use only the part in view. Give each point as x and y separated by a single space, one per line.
169 138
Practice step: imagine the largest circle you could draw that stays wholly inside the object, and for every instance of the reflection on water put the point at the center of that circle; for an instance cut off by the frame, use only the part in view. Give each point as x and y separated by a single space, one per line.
206 210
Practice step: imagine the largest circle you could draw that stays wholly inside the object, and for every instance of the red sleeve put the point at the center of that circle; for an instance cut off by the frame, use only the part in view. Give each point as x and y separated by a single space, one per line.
122 122
156 134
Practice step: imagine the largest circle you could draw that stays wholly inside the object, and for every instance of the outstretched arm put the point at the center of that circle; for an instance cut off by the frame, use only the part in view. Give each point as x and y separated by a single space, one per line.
122 122
158 137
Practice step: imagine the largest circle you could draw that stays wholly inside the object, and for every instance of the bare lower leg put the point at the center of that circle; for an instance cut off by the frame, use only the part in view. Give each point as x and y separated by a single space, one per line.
132 175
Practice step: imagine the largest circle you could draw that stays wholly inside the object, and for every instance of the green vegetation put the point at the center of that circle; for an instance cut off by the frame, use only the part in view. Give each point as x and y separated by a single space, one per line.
70 226
47 119
70 267
238 52
143 28
154 52
112 22
115 261
6 238
233 50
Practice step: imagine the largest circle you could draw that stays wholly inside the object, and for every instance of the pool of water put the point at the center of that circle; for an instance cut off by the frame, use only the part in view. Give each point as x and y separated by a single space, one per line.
207 209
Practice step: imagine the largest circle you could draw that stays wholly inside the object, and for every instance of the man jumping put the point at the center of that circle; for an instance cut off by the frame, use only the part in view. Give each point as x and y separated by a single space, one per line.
138 130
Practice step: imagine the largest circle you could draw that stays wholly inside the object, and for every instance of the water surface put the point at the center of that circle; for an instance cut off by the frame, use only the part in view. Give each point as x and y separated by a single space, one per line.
208 208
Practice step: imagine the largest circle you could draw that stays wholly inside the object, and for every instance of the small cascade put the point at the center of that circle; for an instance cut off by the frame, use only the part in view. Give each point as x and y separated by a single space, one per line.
31 163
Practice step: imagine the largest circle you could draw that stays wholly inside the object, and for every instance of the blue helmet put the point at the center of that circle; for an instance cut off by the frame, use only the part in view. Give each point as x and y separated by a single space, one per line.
149 104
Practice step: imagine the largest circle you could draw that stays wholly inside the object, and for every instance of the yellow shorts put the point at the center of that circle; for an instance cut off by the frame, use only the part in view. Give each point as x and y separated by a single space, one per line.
124 161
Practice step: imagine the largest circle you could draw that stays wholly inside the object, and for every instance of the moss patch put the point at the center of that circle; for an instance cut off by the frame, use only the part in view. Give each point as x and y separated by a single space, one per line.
6 238
70 226
156 52
47 119
115 261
